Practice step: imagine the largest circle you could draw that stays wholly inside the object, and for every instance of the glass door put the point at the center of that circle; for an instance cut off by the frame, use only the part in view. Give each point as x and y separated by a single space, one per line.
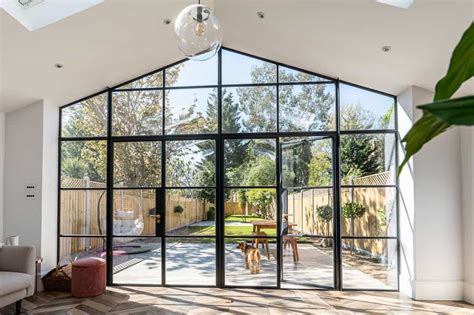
250 212
307 199
137 213
190 204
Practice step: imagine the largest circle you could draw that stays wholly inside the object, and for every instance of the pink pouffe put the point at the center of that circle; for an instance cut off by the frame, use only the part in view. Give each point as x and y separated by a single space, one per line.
88 277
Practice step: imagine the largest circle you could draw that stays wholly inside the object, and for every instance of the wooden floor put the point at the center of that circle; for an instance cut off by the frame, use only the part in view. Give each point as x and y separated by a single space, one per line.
158 300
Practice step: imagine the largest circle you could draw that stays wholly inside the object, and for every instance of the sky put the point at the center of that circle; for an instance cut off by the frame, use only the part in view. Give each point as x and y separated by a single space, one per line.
236 70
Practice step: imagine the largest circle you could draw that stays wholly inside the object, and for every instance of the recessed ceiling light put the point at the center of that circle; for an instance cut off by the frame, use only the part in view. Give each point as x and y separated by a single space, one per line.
58 65
166 21
261 15
386 48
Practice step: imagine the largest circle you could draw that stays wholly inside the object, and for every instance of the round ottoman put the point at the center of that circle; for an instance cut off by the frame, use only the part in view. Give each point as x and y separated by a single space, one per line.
88 277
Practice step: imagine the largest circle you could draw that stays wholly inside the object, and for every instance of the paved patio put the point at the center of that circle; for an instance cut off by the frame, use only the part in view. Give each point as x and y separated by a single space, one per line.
194 263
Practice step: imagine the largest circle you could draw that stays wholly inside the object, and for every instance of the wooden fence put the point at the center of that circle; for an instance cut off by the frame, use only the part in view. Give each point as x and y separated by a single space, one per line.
83 212
379 218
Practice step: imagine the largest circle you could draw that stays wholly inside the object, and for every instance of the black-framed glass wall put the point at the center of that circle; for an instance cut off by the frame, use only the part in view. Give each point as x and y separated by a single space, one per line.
167 175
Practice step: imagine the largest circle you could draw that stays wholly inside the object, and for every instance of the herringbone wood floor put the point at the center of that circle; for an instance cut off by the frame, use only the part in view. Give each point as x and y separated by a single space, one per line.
159 300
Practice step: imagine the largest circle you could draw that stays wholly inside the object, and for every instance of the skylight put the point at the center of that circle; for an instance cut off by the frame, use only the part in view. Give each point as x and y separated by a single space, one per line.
403 4
35 14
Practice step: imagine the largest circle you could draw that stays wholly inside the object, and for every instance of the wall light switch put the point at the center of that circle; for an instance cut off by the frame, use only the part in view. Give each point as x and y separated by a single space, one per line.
30 191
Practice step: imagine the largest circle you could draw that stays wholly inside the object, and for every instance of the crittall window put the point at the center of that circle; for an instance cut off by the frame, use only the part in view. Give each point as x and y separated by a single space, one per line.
168 175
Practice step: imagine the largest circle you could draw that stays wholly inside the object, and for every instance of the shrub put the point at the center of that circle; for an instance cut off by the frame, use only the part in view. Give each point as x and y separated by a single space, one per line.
211 213
178 209
324 213
352 210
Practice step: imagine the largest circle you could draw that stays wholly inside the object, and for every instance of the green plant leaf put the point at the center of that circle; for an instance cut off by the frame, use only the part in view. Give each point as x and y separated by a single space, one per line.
456 111
424 129
461 67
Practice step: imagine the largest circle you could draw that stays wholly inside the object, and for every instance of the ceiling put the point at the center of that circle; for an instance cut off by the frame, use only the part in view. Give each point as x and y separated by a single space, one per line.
120 39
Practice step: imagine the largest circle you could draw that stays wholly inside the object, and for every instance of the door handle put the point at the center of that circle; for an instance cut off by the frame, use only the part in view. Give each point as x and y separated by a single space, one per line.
158 218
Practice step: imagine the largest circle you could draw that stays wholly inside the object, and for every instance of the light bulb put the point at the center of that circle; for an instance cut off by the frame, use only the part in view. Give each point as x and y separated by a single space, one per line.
198 32
200 29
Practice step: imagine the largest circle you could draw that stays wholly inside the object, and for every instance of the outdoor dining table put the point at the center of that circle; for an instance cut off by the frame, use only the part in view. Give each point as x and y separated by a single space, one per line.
259 225
266 224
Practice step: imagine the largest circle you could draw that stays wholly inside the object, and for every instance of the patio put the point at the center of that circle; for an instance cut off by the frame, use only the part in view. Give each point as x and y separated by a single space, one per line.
191 262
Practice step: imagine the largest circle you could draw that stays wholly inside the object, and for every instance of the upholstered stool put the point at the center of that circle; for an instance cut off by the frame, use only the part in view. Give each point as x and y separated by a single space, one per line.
88 277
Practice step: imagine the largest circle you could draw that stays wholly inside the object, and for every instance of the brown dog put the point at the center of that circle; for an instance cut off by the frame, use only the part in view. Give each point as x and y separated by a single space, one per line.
252 257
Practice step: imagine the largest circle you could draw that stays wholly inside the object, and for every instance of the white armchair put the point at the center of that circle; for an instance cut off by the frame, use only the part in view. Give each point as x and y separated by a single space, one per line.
17 274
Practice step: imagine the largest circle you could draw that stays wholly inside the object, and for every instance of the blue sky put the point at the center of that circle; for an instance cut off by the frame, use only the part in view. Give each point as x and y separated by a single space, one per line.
236 70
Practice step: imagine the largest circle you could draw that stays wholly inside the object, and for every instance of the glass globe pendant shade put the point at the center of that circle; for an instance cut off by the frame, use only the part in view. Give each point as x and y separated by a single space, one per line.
198 32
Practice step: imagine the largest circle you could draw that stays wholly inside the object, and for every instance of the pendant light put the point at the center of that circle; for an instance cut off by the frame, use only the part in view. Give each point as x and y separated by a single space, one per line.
198 32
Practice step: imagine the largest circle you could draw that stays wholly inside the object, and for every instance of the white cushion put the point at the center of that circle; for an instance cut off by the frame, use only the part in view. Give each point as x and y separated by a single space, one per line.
14 281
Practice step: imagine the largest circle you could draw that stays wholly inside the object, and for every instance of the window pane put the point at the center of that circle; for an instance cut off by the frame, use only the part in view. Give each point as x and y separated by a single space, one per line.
250 162
137 260
137 113
306 161
190 212
240 69
83 212
369 211
87 118
370 264
134 212
308 211
249 109
362 109
307 107
83 164
137 164
154 80
191 163
307 261
368 159
191 261
250 212
72 248
236 272
286 75
191 111
192 73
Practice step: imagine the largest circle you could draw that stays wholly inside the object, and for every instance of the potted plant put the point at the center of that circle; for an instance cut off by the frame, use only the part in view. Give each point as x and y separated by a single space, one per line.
211 213
178 209
352 211
325 214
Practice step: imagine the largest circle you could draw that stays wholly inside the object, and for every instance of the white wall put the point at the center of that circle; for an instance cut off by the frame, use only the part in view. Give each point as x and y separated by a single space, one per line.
49 185
406 199
23 161
31 158
467 164
432 262
2 160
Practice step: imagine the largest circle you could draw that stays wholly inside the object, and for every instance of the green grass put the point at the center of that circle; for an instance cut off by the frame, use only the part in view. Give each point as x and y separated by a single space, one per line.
229 231
242 218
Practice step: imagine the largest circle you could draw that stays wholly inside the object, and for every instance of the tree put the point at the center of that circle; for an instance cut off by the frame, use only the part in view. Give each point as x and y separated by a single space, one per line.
361 154
296 159
258 104
320 166
309 107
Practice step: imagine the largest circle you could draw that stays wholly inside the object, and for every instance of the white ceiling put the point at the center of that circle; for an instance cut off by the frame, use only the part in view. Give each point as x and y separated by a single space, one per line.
120 39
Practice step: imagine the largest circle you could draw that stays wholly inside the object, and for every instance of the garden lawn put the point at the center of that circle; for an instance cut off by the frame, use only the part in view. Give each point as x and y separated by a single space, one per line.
229 230
242 218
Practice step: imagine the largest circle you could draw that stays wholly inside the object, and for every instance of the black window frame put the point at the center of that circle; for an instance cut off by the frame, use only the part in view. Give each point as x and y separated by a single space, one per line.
219 137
